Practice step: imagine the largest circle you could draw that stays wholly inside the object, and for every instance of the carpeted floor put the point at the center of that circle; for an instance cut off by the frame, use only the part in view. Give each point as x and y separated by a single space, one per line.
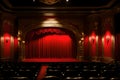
42 72
48 60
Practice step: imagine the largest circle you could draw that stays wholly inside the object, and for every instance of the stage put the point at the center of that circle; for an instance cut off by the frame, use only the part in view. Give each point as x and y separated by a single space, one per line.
51 60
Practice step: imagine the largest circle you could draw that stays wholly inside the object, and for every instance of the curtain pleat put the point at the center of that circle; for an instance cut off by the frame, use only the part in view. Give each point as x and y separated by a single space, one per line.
50 46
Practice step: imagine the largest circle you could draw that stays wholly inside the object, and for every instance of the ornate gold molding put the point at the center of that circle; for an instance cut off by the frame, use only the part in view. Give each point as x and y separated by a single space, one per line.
49 2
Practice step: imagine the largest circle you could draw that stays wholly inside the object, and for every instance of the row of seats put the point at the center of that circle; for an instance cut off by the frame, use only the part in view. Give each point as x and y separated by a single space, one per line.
61 71
19 71
83 71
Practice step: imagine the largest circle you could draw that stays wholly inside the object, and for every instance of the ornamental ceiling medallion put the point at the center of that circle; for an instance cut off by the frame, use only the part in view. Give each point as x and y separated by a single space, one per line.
49 2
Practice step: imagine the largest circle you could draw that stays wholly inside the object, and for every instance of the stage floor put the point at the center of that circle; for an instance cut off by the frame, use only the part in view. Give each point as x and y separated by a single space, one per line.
51 60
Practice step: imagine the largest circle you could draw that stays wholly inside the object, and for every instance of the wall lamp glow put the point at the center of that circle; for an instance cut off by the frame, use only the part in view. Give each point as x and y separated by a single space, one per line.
107 38
19 39
93 39
7 39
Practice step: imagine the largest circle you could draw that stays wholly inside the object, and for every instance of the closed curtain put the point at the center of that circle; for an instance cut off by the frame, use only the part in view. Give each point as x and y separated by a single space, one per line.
50 46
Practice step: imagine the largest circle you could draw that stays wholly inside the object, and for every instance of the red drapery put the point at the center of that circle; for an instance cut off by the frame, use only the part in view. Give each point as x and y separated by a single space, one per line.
49 45
93 47
107 47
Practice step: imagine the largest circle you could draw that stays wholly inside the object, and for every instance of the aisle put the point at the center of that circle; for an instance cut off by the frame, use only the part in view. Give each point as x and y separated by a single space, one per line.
42 72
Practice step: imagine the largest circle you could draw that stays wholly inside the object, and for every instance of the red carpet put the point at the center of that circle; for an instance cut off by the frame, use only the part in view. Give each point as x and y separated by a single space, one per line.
51 60
42 72
44 67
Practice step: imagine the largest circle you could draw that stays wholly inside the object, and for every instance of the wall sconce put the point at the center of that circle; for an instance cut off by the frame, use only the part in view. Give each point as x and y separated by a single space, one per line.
93 39
19 39
23 42
107 38
7 39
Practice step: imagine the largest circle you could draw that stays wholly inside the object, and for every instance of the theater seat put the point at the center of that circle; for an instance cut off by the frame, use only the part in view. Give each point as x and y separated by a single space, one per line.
75 78
19 71
51 78
98 78
115 78
19 78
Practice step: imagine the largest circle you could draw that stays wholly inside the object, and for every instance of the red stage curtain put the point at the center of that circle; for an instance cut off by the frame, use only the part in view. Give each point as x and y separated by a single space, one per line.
50 46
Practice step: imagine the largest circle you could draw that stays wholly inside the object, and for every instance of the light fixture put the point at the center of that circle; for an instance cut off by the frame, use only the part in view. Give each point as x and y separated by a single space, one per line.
93 39
19 39
107 38
67 0
7 39
33 0
49 2
23 42
82 39
51 22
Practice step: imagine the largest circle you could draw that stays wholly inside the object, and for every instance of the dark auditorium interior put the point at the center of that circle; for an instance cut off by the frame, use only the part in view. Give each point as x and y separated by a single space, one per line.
59 39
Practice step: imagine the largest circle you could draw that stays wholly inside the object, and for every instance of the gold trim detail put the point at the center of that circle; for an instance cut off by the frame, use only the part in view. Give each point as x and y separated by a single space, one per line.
49 2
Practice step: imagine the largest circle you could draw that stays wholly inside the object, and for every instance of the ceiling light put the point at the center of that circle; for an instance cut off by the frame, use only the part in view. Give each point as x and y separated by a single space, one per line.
51 22
33 0
67 0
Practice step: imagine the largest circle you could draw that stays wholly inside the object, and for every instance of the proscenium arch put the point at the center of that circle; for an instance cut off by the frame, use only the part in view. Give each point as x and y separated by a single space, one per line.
73 33
38 33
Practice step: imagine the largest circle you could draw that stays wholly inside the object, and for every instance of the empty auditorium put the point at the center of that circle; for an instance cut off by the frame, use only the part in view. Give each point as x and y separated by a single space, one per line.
59 39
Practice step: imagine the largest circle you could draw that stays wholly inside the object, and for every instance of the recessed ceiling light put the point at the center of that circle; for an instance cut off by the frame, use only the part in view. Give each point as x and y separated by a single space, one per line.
33 0
67 0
